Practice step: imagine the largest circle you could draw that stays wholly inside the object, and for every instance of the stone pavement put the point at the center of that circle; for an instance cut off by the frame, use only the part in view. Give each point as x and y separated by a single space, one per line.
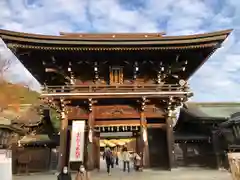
176 174
118 174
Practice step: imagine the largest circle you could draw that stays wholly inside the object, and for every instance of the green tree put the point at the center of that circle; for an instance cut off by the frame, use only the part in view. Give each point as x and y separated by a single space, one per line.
55 119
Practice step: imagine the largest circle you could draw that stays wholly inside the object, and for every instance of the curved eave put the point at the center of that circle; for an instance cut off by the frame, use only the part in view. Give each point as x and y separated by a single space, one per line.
11 37
100 48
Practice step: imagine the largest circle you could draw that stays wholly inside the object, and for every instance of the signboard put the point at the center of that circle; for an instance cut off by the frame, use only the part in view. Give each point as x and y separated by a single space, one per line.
77 141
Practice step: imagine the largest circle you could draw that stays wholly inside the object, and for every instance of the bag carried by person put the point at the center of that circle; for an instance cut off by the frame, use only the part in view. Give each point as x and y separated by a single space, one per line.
108 154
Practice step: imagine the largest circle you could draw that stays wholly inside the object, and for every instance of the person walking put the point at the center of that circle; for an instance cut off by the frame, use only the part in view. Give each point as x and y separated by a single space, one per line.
64 174
126 159
117 157
108 156
115 154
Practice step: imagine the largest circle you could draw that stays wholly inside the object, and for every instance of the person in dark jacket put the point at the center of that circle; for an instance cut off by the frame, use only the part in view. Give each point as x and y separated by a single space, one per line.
64 175
108 156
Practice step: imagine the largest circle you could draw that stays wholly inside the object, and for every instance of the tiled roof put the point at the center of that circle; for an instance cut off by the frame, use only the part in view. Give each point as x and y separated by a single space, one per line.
12 128
217 110
33 138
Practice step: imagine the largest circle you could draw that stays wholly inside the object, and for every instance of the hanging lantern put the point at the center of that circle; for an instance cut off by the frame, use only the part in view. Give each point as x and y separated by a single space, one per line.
90 136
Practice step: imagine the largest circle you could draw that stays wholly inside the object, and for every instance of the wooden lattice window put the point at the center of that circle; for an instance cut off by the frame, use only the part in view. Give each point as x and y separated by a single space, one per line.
116 75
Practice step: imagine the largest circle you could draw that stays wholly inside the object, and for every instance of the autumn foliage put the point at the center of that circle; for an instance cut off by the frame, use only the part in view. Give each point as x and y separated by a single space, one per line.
15 94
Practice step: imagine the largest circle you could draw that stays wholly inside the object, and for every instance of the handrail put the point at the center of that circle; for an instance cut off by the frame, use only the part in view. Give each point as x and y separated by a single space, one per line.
119 85
114 88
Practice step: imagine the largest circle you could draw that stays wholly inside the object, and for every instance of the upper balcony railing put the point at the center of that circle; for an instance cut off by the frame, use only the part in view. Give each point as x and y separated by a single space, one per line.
96 88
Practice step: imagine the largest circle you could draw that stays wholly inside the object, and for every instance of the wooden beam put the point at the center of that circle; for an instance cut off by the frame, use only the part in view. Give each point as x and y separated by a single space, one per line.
156 125
105 95
115 112
77 113
117 123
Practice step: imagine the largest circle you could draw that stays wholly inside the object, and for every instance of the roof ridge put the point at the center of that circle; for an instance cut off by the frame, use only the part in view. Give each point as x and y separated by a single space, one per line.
113 36
215 103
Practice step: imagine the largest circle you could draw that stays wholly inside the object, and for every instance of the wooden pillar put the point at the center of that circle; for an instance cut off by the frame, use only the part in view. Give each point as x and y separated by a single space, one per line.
215 144
145 147
143 130
14 158
137 136
90 146
185 157
63 141
170 139
90 162
97 150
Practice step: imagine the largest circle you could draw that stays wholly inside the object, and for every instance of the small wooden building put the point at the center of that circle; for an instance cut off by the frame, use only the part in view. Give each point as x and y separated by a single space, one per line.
200 139
37 152
19 131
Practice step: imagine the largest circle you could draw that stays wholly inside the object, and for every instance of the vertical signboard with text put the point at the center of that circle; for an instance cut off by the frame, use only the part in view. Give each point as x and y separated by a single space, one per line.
77 141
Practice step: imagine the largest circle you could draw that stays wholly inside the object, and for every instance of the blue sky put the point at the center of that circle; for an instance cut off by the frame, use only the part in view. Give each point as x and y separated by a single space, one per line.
217 80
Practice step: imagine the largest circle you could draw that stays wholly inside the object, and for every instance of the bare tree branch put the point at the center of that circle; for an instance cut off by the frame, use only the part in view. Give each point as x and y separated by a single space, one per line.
27 84
5 64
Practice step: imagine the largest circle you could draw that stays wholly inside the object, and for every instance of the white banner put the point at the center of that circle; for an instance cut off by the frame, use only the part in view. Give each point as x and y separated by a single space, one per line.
77 141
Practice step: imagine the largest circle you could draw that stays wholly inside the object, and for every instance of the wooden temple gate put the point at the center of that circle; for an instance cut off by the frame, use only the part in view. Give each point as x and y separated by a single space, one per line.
116 80
150 125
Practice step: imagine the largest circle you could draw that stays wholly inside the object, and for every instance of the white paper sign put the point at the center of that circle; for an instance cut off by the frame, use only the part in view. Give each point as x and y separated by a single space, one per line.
5 165
77 141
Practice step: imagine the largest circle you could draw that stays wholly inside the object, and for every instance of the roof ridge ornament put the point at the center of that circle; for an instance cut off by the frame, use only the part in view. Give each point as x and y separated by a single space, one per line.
112 35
